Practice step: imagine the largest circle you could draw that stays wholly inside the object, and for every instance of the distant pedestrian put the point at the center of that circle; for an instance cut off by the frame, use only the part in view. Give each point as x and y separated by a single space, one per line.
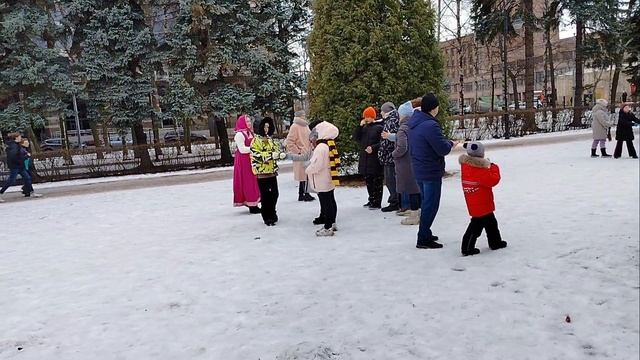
245 184
368 135
265 154
479 176
28 161
298 144
600 126
428 147
624 132
390 128
15 161
624 96
406 185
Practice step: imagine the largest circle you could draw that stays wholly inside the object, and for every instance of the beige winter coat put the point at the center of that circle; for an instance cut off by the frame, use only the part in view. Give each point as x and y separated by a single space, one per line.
298 144
601 122
319 169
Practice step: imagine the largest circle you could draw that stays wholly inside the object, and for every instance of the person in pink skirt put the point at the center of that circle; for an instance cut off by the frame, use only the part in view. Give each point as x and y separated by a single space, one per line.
245 183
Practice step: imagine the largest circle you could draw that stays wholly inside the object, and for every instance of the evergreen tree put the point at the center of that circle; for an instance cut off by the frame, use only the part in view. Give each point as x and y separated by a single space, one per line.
632 45
181 104
368 52
117 62
605 46
33 76
227 52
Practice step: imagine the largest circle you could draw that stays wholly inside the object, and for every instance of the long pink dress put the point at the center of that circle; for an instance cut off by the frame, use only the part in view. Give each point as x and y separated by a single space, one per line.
245 184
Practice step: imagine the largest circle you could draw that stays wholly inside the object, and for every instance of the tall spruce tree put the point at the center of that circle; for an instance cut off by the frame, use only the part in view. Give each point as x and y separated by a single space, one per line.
117 61
367 52
632 42
235 54
34 77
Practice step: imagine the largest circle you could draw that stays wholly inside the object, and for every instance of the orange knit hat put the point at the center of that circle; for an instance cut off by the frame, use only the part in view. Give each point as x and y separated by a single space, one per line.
369 113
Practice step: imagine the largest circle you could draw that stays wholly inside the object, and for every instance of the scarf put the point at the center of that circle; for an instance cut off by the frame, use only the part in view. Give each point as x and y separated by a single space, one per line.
334 160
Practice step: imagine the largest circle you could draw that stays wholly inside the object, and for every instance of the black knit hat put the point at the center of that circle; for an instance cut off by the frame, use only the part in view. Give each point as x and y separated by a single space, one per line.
429 102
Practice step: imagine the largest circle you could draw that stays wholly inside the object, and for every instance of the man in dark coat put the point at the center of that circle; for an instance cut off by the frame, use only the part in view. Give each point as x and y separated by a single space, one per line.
15 161
428 147
389 130
624 132
368 135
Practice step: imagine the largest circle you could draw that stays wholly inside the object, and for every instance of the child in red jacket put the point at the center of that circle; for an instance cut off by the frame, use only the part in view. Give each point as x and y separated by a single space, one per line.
479 175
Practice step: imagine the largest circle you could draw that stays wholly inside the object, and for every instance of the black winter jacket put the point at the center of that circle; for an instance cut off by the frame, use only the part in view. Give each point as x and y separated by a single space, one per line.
15 158
624 131
369 135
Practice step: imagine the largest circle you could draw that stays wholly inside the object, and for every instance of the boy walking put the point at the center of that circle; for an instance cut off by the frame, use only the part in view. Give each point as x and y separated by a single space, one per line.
479 175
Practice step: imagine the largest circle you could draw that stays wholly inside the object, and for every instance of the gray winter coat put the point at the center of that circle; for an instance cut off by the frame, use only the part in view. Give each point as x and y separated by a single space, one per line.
601 122
405 181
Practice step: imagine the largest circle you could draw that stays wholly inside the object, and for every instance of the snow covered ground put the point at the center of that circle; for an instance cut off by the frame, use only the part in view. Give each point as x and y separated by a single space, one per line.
177 273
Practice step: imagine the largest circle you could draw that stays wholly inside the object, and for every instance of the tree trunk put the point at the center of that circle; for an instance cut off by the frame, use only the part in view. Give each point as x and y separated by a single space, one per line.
493 80
225 149
514 83
68 159
579 82
614 88
157 148
460 63
96 140
178 142
105 137
33 140
493 91
529 70
187 135
552 101
140 150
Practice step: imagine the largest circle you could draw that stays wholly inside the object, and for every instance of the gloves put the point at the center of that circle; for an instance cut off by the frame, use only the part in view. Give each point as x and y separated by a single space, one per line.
278 155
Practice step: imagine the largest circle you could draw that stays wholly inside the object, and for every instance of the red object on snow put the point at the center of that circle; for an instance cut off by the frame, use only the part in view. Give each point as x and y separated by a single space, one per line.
634 89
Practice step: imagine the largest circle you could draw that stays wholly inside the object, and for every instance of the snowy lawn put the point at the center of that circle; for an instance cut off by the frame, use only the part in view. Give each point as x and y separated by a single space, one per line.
177 273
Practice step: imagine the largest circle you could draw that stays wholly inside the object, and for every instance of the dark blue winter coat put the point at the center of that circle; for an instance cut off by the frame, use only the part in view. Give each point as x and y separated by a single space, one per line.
427 146
15 158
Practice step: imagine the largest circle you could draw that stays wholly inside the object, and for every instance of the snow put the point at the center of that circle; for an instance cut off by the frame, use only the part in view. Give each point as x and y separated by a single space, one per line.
177 273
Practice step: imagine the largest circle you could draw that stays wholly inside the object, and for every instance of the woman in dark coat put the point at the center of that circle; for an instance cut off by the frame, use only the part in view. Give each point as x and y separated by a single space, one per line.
368 135
624 132
406 184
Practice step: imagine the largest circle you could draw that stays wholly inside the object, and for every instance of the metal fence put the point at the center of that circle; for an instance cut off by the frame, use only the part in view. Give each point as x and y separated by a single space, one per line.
86 163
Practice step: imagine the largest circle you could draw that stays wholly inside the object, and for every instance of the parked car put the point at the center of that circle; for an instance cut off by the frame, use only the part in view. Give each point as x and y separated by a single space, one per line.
172 136
116 142
55 144
455 110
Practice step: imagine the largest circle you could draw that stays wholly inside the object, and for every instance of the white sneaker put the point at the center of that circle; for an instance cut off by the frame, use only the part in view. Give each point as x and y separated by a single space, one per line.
334 227
1 199
35 195
324 232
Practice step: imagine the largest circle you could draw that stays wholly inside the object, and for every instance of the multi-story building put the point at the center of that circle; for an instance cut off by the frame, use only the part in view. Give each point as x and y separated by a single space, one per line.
481 67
